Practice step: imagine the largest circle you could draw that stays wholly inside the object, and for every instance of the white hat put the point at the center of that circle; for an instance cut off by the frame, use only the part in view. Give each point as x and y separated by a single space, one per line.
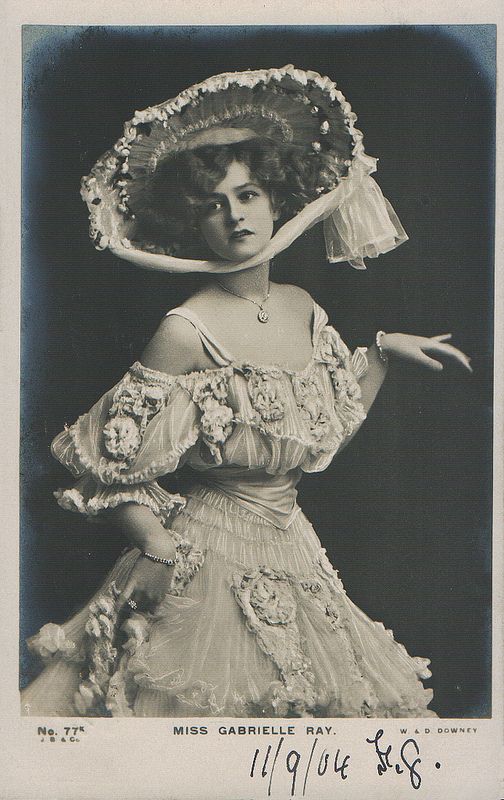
287 105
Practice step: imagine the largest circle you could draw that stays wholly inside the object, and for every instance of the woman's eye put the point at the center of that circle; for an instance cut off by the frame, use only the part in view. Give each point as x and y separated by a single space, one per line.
211 206
248 195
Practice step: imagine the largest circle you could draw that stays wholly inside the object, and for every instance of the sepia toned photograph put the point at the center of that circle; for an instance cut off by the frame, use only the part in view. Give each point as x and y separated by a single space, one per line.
257 371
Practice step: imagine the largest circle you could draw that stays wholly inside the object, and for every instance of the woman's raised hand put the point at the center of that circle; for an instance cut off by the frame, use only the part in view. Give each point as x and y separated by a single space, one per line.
429 352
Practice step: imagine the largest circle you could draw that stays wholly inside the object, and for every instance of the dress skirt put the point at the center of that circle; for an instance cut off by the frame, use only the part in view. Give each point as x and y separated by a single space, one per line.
257 624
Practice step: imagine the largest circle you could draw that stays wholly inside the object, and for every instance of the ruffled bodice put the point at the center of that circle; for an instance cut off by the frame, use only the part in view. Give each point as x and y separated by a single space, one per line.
240 426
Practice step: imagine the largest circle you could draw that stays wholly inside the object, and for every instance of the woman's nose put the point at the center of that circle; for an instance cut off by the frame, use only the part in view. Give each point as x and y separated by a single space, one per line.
235 211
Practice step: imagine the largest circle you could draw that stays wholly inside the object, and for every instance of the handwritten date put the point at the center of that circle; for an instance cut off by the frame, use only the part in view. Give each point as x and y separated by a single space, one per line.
264 765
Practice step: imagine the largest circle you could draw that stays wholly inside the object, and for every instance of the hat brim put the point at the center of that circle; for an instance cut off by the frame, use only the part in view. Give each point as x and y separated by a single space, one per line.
301 109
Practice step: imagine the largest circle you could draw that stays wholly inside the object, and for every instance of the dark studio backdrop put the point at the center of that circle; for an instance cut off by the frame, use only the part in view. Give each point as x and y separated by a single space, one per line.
405 510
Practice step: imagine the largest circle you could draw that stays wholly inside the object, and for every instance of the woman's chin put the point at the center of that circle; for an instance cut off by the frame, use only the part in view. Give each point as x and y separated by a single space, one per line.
241 250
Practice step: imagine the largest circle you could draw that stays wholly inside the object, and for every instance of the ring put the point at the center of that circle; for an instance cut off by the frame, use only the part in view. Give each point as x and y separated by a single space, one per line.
132 604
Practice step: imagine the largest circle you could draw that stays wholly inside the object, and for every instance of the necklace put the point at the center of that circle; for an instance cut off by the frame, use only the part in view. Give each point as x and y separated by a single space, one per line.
262 314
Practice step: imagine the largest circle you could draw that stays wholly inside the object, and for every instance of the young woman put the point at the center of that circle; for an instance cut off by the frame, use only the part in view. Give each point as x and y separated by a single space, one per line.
226 604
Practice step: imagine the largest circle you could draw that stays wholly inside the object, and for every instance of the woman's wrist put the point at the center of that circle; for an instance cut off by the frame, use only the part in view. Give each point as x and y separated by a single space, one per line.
380 346
144 530
159 545
167 562
378 353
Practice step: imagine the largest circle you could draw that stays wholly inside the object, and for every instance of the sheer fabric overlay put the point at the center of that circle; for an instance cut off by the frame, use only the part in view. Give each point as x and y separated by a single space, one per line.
257 622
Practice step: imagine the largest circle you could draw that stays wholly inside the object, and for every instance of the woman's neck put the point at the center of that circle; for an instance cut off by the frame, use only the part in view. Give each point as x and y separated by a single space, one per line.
253 283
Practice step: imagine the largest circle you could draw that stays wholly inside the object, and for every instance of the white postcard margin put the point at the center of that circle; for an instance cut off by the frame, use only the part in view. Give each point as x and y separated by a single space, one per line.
142 758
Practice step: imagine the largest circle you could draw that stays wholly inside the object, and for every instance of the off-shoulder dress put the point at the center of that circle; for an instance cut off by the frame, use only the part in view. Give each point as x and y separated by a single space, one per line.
257 622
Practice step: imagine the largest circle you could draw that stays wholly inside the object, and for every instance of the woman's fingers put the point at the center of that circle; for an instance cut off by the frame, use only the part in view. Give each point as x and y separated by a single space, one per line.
459 356
448 350
126 593
145 601
429 352
430 363
146 586
132 592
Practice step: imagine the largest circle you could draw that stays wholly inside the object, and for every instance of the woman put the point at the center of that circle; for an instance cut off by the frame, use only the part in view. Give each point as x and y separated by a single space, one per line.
236 609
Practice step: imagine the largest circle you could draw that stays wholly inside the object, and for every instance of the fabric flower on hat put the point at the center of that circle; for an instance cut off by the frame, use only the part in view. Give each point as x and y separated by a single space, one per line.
103 605
136 629
92 627
284 104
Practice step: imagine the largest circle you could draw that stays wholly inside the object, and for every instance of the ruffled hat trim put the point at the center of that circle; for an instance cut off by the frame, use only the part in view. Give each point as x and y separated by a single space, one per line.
290 105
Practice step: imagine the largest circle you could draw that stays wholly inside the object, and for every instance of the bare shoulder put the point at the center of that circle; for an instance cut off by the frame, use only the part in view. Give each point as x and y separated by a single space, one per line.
291 292
175 348
299 300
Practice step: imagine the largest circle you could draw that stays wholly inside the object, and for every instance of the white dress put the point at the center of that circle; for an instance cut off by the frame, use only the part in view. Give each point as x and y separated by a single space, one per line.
257 622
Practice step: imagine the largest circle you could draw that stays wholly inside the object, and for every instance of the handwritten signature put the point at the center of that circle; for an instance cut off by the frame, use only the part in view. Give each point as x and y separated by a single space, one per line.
409 756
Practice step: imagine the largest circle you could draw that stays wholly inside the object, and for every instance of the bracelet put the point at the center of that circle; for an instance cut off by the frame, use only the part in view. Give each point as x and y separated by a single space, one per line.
383 356
158 560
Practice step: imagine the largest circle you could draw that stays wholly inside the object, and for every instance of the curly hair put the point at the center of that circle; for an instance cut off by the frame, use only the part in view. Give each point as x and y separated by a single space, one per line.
167 210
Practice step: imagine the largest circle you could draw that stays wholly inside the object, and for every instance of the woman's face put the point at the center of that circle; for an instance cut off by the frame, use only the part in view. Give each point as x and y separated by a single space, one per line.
237 218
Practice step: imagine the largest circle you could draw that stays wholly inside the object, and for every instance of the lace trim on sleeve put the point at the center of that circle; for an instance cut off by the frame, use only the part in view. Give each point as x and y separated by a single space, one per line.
65 450
90 498
359 362
343 370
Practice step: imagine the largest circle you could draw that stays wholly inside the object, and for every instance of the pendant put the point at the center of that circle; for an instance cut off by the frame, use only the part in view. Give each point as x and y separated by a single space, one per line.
263 315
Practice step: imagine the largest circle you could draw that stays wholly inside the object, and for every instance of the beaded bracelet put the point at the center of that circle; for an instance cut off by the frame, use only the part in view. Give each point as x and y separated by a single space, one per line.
383 356
158 560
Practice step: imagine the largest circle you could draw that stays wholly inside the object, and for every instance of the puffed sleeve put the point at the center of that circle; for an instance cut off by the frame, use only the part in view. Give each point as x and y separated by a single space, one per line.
139 430
344 371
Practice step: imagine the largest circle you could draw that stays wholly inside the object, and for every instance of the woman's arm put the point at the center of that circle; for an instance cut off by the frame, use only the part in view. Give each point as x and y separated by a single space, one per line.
143 529
175 348
371 382
148 582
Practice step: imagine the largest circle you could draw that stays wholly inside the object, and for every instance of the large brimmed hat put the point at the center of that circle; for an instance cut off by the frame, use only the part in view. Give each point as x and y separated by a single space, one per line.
289 106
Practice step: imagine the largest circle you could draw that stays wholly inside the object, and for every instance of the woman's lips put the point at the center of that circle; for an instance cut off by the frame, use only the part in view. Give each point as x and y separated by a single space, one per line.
240 234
